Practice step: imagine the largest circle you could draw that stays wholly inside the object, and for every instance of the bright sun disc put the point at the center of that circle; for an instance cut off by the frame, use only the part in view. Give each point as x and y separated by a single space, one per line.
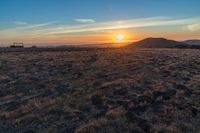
120 37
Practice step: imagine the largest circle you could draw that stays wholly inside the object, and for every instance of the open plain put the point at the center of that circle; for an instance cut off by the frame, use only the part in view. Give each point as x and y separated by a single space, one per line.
100 91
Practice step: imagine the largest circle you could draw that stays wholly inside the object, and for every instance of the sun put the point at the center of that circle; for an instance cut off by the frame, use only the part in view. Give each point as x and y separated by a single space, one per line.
120 37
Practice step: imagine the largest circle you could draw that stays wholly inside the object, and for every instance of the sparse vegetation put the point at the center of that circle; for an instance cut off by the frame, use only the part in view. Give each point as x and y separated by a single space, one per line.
104 90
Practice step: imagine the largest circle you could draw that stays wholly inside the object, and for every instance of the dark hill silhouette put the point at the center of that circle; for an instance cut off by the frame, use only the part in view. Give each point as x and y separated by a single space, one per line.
192 42
159 43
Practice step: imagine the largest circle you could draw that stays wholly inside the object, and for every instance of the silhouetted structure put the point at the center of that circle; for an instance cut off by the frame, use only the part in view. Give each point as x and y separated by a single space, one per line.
17 45
34 46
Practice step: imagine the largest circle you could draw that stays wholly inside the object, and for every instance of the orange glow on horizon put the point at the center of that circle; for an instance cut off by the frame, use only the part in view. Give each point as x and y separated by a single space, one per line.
116 37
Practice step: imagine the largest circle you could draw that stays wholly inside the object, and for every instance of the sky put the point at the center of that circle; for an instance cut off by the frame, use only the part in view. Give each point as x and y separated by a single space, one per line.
56 22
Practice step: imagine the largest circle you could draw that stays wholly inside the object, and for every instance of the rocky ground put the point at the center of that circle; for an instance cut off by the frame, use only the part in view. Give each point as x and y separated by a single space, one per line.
100 91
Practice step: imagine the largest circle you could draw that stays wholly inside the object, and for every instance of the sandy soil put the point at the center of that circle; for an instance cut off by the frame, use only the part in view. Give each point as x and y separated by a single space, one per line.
100 91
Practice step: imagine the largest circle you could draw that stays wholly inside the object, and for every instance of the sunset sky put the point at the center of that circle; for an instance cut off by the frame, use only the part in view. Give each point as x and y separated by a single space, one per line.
97 21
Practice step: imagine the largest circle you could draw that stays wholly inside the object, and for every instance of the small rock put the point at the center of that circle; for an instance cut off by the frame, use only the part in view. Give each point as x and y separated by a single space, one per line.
157 94
121 91
168 94
4 81
34 78
166 73
62 88
163 130
144 100
4 93
47 93
130 116
138 110
97 83
29 131
57 112
145 125
181 87
3 64
96 100
158 108
137 130
194 111
92 59
84 108
79 74
69 65
99 113
186 78
164 95
13 106
188 92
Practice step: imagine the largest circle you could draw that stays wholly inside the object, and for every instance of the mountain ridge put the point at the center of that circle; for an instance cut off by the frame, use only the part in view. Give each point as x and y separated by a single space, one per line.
160 43
192 42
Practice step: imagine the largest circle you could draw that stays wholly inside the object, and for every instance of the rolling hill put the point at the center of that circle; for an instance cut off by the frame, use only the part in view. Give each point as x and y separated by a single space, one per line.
192 42
158 43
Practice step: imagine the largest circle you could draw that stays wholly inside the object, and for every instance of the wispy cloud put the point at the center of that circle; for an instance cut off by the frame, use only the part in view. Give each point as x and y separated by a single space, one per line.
123 24
86 26
84 20
34 26
194 27
23 30
20 23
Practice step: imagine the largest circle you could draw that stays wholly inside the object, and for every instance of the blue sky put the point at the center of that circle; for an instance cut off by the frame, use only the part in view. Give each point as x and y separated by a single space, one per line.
101 10
56 18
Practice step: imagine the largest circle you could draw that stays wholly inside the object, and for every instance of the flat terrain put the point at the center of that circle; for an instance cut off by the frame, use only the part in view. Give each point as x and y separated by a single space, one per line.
100 91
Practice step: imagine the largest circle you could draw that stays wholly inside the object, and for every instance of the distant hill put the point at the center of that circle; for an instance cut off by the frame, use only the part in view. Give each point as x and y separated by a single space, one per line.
160 43
192 42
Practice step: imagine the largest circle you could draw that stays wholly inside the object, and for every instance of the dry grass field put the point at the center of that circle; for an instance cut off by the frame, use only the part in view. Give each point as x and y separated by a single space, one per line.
100 91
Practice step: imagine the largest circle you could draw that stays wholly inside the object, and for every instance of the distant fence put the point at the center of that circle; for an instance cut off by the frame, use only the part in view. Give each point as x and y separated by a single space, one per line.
17 45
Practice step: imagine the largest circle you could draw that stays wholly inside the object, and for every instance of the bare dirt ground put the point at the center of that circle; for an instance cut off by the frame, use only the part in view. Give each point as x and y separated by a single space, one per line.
100 91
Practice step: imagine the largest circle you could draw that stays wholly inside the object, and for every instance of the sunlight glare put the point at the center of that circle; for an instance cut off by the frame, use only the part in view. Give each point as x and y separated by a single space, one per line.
120 37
